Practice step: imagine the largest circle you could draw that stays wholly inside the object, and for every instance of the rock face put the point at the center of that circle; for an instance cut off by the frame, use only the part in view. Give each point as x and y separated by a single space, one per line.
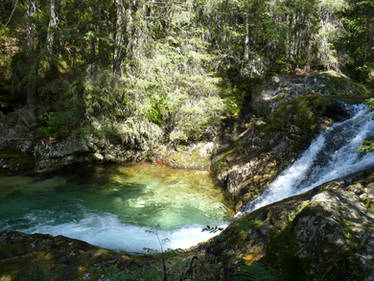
16 143
82 149
22 150
195 156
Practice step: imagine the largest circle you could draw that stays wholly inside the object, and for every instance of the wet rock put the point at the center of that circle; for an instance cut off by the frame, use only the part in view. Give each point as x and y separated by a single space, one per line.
194 156
269 145
282 88
324 234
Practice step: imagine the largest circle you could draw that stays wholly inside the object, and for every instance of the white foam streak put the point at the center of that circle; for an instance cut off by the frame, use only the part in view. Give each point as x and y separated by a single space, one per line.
333 154
109 232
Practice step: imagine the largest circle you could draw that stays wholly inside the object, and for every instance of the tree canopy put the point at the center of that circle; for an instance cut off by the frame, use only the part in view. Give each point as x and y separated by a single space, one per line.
167 69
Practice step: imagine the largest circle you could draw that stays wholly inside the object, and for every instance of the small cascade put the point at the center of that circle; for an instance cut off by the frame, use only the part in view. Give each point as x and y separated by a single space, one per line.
333 154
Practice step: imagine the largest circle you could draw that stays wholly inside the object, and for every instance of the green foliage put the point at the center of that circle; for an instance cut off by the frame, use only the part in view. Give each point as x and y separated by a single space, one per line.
368 145
255 272
57 124
182 68
358 40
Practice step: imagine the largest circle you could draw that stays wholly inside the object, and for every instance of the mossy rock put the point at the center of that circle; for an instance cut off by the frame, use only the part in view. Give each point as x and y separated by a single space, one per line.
339 84
183 159
284 88
17 160
268 146
44 257
196 156
306 113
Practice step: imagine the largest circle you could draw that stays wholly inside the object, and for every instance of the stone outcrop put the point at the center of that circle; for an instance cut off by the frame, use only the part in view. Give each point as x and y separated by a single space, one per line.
21 149
290 111
16 145
195 156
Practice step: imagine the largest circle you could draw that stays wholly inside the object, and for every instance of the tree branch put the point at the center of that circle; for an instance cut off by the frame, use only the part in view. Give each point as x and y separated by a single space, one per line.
11 14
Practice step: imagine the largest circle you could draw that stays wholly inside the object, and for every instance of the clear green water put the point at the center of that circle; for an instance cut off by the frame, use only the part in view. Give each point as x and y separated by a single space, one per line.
115 206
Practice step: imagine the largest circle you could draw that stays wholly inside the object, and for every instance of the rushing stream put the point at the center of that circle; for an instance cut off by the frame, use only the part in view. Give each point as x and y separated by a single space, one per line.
122 208
332 155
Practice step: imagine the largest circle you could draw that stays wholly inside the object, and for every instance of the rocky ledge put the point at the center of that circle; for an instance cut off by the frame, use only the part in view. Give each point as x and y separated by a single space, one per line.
44 257
22 150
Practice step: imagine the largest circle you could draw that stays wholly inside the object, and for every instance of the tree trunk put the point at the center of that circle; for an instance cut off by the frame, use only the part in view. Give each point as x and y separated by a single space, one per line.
53 22
246 40
30 41
93 54
119 38
129 29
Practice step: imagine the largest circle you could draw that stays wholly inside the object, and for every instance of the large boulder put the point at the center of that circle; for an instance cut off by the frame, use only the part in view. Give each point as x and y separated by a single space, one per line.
268 96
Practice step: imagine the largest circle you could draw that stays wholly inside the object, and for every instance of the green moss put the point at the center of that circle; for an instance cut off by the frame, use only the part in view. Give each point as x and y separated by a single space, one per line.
189 159
303 112
338 84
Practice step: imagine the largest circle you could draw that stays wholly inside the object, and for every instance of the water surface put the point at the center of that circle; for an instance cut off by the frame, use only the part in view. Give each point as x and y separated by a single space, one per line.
116 207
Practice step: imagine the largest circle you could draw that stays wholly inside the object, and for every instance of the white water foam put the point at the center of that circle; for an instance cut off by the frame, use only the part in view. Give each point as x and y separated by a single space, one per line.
333 154
107 231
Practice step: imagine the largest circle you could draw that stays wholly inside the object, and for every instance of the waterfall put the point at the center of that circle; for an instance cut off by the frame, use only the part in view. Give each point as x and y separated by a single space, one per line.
332 155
